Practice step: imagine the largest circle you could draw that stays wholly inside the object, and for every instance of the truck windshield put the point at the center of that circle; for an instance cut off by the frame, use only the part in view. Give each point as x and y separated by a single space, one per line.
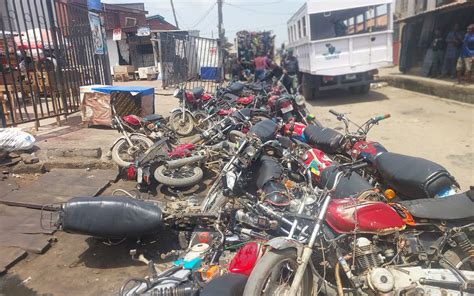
349 22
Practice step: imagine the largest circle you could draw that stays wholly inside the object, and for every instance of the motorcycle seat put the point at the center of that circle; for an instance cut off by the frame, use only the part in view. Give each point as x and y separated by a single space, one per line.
153 118
325 139
348 186
197 92
255 86
113 217
412 177
454 207
265 130
236 88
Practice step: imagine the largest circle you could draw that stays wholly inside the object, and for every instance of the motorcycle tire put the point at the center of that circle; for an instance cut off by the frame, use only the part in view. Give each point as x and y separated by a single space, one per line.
263 270
123 144
199 116
165 179
182 128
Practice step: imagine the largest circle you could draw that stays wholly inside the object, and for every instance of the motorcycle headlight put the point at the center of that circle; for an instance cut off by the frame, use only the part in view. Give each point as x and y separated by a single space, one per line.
176 93
230 180
300 100
250 151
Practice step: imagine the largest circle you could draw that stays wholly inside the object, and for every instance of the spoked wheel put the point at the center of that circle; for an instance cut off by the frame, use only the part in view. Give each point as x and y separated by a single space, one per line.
181 177
200 121
124 155
274 274
182 126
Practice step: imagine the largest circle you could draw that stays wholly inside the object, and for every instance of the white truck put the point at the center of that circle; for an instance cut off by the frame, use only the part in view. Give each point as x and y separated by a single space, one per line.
341 43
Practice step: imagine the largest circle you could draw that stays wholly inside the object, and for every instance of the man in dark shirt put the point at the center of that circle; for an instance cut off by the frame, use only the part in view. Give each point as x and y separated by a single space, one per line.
437 46
290 70
453 43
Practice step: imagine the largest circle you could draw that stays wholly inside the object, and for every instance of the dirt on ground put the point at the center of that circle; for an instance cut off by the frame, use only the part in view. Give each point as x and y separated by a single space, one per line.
420 125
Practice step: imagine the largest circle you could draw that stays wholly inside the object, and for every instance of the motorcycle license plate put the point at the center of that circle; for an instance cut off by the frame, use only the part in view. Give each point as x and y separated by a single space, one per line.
351 76
139 175
287 109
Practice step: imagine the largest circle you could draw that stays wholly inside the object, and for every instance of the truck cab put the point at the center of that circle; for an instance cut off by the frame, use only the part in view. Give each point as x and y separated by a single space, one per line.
340 44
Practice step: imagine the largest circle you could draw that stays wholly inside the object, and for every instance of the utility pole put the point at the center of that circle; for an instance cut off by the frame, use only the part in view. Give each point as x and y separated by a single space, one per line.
220 41
174 14
219 25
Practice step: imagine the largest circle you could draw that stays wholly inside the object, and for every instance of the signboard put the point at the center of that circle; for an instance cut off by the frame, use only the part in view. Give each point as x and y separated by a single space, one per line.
143 31
94 5
117 34
97 39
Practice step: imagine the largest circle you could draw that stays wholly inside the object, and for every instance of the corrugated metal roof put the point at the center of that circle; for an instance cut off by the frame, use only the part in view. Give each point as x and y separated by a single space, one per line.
445 7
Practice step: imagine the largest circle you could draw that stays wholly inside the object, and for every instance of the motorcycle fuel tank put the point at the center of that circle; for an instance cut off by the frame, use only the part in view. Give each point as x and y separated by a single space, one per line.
182 150
366 150
317 161
245 259
346 215
131 119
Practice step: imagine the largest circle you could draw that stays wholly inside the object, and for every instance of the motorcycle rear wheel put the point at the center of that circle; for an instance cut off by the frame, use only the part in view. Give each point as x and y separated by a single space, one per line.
183 127
268 276
122 154
181 177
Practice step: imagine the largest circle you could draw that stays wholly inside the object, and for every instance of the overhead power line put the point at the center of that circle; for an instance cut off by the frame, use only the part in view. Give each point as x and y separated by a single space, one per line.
204 15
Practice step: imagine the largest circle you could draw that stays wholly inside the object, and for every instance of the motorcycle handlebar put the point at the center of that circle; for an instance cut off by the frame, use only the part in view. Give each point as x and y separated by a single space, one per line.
380 117
337 114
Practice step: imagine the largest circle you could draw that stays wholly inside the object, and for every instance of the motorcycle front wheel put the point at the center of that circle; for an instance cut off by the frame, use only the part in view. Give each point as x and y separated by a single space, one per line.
184 176
182 126
124 155
274 274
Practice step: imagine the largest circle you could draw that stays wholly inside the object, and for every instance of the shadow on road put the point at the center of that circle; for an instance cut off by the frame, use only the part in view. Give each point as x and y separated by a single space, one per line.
103 256
342 97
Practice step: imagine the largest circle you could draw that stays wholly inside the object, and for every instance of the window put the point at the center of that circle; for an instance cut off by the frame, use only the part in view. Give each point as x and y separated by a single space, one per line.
358 20
299 29
303 21
130 22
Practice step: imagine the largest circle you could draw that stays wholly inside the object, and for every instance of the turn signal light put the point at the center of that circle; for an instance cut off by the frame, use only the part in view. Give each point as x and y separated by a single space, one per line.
204 237
289 185
208 273
389 194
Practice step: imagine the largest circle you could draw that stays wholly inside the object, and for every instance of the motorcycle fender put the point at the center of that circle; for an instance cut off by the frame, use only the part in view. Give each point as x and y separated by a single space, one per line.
283 243
179 110
123 137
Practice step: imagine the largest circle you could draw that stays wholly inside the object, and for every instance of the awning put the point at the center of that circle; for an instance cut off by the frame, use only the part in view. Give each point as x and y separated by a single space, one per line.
318 6
443 8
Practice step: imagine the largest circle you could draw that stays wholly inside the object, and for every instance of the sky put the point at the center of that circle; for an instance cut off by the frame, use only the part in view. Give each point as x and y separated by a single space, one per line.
238 15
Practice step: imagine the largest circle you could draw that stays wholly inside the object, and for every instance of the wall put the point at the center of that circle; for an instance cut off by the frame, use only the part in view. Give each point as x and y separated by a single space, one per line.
112 51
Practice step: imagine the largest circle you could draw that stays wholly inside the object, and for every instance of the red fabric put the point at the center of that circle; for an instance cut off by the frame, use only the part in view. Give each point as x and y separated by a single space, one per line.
260 63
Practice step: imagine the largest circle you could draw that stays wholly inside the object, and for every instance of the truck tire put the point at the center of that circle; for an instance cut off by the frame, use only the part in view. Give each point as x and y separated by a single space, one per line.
364 89
310 86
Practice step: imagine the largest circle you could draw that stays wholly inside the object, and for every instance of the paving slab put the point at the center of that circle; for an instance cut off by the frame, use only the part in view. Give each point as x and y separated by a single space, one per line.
21 220
60 185
9 256
34 243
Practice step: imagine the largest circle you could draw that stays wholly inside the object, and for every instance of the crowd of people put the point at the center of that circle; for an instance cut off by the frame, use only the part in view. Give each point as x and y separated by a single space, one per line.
263 68
451 56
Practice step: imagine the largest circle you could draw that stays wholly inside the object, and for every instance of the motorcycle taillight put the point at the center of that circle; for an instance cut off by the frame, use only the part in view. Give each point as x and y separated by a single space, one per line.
131 173
285 104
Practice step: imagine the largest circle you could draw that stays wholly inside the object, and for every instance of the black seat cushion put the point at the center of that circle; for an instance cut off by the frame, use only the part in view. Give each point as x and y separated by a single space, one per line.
325 139
153 118
348 186
269 169
265 130
230 284
236 88
412 177
111 217
197 92
454 207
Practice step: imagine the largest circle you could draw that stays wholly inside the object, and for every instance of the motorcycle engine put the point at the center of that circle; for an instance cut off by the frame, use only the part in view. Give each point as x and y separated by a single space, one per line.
367 255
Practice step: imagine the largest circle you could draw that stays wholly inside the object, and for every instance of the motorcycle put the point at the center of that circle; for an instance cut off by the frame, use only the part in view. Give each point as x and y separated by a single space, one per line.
131 144
182 119
365 247
154 126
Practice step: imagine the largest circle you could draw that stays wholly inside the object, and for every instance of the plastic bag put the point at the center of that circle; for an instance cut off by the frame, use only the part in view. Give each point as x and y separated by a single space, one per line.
13 139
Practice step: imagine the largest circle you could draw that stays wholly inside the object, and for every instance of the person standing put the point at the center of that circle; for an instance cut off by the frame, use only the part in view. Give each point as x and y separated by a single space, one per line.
466 58
261 64
290 70
453 40
437 46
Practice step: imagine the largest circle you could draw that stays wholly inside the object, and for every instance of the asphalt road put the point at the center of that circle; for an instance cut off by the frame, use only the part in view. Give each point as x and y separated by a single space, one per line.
420 125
